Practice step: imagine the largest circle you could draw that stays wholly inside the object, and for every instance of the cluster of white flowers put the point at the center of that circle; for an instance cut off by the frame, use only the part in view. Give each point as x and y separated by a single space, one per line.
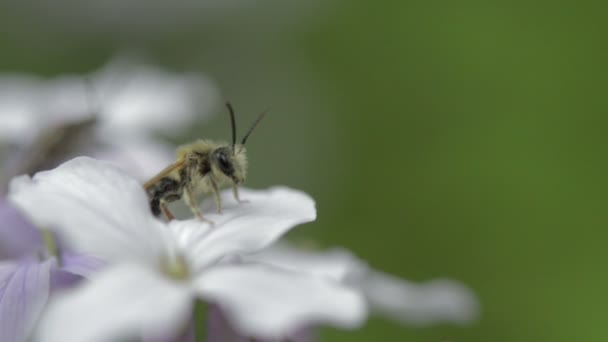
82 258
129 101
155 271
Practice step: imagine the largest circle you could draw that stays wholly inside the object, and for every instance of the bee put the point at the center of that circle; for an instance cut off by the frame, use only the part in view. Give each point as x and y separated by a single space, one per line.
203 166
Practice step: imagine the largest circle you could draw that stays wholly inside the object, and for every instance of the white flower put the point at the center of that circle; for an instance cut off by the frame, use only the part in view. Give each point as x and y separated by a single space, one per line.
436 301
130 101
157 270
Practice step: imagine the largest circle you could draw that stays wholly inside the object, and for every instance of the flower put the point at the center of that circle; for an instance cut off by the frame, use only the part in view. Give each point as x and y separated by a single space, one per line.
28 275
220 329
18 238
156 270
122 104
436 301
24 290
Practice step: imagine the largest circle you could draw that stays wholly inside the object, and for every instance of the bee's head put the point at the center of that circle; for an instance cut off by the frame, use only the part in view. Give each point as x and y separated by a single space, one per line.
232 160
231 163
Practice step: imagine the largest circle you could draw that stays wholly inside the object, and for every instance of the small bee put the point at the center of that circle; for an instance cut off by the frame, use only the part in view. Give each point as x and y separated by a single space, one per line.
201 167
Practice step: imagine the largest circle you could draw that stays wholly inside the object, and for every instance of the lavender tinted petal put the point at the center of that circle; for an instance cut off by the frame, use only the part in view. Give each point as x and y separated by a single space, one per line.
61 279
18 237
81 265
24 290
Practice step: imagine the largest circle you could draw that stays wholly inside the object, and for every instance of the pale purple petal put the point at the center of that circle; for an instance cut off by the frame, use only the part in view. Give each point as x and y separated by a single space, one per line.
72 269
95 208
422 304
61 280
80 264
24 290
220 329
18 237
265 302
120 303
244 227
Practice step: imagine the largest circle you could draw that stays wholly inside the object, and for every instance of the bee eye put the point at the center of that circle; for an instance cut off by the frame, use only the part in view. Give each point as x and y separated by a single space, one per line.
224 163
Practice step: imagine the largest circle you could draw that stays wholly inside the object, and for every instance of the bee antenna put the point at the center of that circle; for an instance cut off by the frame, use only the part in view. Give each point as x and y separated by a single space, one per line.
232 123
255 123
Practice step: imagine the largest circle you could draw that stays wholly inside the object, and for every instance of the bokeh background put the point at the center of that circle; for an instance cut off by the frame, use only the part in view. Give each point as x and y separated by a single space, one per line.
440 139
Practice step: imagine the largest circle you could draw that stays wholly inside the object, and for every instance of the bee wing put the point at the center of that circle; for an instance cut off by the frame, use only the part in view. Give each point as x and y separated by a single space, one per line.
175 166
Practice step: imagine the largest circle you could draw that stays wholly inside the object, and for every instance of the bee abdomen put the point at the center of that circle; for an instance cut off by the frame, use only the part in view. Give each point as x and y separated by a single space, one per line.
166 189
164 186
155 206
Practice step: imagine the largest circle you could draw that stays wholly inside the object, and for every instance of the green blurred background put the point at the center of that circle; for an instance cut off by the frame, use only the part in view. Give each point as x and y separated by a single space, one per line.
440 139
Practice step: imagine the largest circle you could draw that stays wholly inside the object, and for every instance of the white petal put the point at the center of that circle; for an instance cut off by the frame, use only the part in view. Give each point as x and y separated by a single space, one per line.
120 303
96 208
140 98
134 99
438 301
188 235
66 99
337 264
218 328
29 104
245 227
423 304
19 97
268 302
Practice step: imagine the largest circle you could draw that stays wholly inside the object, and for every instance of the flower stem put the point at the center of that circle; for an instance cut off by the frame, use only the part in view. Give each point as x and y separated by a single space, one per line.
200 320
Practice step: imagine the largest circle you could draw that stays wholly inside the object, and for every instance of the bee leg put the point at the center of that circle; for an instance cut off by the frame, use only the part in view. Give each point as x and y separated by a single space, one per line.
235 192
190 200
166 211
216 197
